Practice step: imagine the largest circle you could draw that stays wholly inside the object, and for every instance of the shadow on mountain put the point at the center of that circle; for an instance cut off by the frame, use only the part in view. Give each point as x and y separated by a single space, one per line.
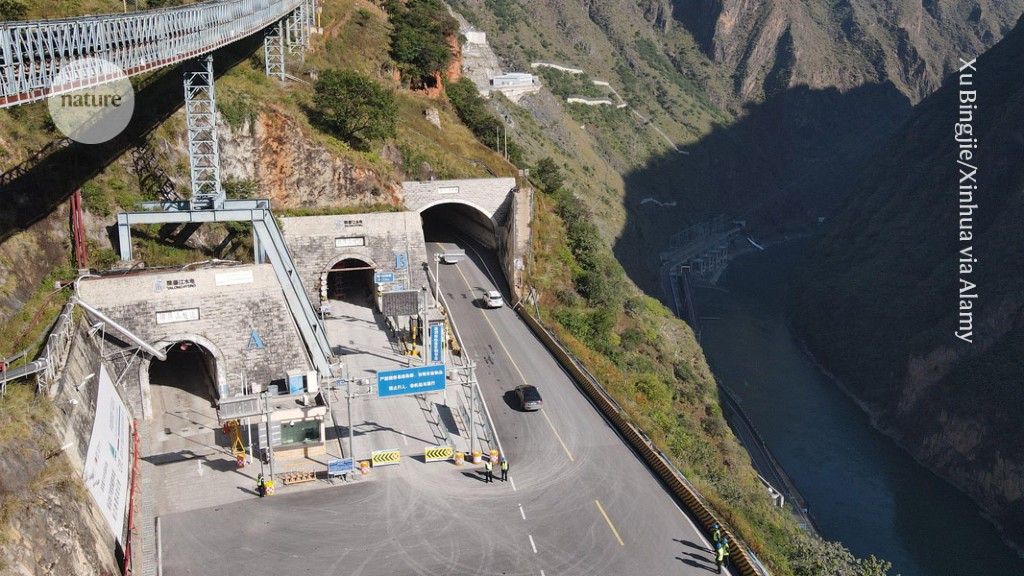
781 166
31 191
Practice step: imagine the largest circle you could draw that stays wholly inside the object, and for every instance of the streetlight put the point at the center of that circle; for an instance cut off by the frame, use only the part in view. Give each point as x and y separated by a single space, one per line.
437 278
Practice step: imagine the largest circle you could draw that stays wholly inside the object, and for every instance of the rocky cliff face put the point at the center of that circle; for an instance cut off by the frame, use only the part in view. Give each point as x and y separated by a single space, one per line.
294 170
912 260
777 44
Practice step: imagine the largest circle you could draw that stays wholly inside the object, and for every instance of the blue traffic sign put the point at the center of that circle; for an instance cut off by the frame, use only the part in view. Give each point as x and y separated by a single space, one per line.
339 466
436 340
384 277
410 381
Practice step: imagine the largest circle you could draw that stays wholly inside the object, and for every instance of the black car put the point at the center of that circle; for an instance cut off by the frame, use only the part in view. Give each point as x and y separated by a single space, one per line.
529 397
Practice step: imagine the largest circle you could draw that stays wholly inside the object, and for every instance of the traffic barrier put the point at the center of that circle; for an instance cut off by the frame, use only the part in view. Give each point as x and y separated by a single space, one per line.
240 461
385 457
268 487
460 458
494 456
437 453
679 487
298 476
364 467
476 457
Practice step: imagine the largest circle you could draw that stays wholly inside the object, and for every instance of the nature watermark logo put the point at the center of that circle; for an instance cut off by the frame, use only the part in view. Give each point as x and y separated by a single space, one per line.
97 111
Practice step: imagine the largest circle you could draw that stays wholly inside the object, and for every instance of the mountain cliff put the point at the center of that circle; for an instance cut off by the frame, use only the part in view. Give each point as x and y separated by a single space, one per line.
920 270
778 44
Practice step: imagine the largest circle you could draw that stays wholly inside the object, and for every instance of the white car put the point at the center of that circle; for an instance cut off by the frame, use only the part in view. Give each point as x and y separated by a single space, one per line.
493 299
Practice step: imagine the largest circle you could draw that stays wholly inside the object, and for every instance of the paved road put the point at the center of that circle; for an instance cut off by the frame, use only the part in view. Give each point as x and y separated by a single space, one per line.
580 501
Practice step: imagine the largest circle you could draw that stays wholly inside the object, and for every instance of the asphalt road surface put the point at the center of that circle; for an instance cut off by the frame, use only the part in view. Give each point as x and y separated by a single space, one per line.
579 500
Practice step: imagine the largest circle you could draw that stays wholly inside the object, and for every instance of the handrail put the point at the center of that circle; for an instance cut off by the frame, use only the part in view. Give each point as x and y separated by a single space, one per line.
34 53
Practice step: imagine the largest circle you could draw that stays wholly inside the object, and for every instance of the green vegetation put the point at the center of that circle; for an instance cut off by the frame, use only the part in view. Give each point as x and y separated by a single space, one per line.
26 328
564 84
419 41
475 114
330 210
353 107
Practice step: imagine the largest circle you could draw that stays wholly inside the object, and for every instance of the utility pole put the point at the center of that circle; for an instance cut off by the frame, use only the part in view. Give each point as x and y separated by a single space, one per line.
270 441
437 279
425 328
351 451
472 405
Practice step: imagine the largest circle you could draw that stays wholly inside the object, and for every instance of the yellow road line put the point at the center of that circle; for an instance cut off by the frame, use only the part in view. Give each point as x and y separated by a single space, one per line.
516 366
610 525
567 453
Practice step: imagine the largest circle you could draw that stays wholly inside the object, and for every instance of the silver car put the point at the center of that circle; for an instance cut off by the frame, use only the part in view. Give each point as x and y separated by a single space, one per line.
493 299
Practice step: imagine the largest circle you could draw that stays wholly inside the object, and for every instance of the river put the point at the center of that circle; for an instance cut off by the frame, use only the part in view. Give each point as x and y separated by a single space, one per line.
860 487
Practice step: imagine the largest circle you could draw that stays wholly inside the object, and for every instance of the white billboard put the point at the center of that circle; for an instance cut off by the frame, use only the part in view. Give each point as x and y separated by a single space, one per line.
108 461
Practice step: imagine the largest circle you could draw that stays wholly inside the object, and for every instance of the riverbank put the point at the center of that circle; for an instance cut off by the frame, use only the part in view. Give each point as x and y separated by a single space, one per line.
862 488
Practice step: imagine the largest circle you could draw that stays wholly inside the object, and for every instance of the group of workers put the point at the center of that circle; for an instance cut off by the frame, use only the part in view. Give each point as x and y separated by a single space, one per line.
489 470
721 550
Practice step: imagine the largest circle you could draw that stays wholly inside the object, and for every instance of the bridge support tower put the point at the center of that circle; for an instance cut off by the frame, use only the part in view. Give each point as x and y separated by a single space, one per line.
201 123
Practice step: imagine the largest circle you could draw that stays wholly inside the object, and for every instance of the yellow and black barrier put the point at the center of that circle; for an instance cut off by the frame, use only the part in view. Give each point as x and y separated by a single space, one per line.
438 453
669 477
385 457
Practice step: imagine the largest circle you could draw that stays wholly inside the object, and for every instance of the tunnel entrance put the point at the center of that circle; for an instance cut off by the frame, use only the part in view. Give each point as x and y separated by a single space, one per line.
351 280
189 368
183 392
449 221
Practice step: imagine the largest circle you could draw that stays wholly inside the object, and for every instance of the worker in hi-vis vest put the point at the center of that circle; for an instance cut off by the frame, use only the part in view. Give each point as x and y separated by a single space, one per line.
719 556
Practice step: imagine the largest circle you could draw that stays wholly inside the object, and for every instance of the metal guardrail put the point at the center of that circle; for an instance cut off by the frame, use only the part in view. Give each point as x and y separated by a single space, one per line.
33 53
48 365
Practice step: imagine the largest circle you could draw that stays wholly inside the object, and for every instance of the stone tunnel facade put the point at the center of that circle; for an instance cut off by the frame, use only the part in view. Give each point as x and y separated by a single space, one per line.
238 314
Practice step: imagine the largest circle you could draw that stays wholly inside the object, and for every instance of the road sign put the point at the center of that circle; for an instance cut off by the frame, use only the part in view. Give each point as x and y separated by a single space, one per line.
436 340
383 277
400 303
385 457
437 453
339 466
401 260
235 407
410 381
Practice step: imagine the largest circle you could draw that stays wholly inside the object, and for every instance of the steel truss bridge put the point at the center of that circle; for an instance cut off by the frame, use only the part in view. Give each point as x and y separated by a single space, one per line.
36 54
33 53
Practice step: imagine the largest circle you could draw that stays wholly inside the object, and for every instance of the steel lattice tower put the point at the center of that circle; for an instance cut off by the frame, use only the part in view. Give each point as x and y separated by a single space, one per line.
201 121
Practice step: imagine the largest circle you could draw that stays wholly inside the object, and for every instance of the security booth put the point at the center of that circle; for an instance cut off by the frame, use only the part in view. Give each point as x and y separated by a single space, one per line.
297 417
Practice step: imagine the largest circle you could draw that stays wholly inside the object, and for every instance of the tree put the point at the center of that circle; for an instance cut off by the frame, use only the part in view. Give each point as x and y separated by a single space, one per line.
419 43
13 10
354 107
549 175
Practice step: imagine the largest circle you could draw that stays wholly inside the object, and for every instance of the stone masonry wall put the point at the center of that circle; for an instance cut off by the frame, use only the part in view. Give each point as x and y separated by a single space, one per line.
318 243
489 195
231 303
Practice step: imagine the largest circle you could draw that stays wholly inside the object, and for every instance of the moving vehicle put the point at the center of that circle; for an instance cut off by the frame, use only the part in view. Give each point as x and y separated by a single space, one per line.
493 299
529 397
453 256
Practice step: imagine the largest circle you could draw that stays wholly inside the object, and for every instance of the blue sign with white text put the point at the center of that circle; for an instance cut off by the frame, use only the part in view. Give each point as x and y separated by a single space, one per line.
384 277
340 466
436 342
410 381
401 260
